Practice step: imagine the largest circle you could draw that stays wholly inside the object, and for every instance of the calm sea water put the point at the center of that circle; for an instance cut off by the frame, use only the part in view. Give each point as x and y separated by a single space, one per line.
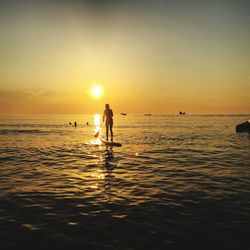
177 182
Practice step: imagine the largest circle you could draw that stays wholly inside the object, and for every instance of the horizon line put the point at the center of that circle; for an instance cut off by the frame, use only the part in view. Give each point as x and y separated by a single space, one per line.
119 114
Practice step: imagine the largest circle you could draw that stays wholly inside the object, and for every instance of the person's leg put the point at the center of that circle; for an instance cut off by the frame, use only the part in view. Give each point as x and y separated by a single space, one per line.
107 131
111 131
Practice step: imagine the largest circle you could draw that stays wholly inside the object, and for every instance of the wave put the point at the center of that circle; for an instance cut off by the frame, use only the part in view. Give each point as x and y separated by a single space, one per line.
22 131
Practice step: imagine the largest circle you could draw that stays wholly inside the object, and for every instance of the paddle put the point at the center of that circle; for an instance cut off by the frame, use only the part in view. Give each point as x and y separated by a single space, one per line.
98 132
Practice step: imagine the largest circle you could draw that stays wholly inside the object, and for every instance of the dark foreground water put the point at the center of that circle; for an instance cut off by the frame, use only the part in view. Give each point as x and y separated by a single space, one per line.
178 182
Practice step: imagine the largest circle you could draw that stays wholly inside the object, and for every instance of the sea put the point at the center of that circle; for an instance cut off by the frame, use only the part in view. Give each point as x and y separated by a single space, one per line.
177 182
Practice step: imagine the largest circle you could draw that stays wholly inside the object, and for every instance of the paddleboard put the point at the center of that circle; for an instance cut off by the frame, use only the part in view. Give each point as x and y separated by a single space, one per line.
109 143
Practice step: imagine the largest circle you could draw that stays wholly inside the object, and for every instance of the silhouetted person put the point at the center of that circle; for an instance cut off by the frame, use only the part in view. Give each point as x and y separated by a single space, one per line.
70 123
108 117
75 124
87 123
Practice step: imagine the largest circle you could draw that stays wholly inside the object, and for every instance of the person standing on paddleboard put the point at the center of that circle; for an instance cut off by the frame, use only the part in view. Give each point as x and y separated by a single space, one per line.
108 118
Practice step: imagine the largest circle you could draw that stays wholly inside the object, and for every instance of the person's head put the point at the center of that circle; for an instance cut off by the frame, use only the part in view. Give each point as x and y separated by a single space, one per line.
107 106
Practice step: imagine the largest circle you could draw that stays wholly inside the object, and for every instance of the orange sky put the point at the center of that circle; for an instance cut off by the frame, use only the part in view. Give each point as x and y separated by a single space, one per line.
148 56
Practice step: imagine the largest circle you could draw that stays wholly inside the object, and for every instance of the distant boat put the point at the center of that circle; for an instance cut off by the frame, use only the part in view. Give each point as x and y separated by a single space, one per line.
123 113
182 113
147 114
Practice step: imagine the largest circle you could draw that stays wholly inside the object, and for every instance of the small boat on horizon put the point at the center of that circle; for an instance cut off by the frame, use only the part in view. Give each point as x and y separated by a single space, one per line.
147 114
123 113
182 113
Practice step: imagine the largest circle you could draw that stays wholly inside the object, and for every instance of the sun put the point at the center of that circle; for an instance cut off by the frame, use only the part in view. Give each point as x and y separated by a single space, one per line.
96 91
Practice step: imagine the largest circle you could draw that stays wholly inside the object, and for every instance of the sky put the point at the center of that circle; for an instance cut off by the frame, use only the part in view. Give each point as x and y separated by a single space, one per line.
158 56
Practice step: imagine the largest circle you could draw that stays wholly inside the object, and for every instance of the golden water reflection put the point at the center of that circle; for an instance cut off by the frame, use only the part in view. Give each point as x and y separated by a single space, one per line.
103 177
109 164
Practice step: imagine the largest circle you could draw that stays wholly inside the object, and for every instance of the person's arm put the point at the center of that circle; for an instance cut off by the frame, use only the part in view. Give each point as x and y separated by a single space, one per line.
111 113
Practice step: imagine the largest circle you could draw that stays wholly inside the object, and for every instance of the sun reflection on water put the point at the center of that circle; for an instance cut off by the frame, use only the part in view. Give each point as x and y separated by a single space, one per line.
96 130
97 120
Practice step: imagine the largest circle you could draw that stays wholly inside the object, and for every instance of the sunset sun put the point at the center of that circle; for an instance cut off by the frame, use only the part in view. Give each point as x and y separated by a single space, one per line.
96 91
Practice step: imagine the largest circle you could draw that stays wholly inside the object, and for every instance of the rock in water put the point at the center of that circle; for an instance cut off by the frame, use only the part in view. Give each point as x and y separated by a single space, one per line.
243 127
